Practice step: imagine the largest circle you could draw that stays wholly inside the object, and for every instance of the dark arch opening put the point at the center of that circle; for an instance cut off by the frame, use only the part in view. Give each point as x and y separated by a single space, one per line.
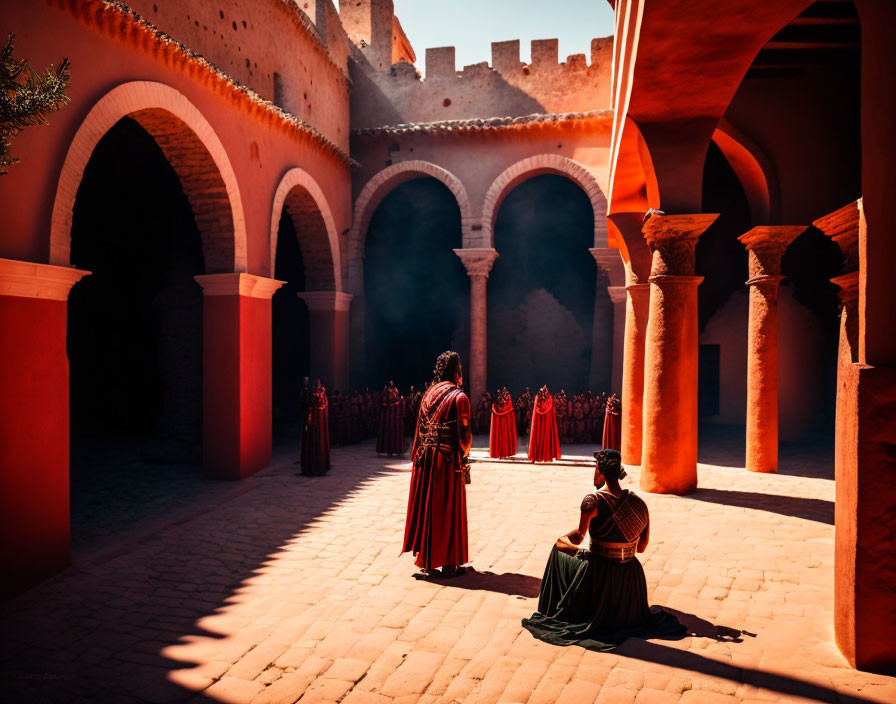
415 287
542 307
134 333
290 330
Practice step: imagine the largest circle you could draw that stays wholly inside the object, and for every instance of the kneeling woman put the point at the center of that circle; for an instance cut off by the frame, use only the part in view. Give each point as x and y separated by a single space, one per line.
597 598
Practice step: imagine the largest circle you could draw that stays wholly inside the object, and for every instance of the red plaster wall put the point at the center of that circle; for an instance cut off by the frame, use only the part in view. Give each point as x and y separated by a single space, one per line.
311 75
221 387
34 442
259 154
255 384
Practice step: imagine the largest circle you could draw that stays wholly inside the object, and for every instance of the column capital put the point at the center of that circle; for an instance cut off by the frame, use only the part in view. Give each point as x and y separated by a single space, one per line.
237 284
843 227
333 301
477 261
673 240
618 294
609 260
849 287
766 245
32 280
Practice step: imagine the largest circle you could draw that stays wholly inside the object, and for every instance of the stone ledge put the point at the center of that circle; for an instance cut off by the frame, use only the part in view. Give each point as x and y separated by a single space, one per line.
32 280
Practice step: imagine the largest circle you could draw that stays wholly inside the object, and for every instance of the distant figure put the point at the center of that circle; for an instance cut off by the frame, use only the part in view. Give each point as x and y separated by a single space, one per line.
502 436
436 526
304 403
524 412
544 443
596 598
315 456
390 438
562 404
612 439
356 417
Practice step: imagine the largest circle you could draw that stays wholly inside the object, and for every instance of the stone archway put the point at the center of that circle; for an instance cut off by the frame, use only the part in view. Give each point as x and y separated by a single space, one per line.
535 166
300 195
193 150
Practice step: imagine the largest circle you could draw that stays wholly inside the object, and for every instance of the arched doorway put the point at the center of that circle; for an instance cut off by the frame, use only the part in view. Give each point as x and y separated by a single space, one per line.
415 288
134 330
541 291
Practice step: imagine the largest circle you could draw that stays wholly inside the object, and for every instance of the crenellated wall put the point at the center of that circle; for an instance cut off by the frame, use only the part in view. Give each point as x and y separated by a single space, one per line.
507 87
291 52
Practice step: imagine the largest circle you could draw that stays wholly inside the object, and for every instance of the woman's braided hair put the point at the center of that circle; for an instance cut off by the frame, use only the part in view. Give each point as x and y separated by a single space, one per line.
609 462
446 367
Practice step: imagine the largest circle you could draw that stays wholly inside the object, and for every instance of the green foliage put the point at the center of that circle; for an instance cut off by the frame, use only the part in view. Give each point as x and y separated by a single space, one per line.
26 96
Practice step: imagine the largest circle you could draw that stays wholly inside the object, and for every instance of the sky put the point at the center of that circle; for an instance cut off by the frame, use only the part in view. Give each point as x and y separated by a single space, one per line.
472 25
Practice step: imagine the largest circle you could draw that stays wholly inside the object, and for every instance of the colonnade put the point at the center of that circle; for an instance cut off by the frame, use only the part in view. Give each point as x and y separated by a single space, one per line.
659 378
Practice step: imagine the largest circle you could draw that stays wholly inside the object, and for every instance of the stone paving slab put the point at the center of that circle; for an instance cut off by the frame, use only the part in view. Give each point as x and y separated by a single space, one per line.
293 589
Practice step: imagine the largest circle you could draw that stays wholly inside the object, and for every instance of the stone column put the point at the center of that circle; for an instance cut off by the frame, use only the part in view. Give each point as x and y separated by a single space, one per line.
766 246
236 373
354 285
669 454
478 263
610 263
34 422
329 323
637 309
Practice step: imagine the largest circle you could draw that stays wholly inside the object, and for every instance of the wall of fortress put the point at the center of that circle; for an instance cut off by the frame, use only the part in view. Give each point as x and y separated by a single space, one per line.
506 87
291 52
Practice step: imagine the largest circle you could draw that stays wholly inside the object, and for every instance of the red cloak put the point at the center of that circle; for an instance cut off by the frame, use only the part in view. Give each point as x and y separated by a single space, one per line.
390 436
315 458
436 526
544 444
502 438
612 438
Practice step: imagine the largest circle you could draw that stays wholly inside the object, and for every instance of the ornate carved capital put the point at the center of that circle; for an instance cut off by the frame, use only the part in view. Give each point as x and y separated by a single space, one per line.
238 285
477 261
609 260
766 245
673 239
843 226
330 301
32 280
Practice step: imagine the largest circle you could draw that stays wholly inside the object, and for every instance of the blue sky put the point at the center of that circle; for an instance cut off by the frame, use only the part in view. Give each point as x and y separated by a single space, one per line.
472 25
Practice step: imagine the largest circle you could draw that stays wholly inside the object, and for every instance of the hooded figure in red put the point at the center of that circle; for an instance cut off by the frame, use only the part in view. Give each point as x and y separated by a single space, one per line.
502 438
544 443
315 458
612 439
390 437
436 526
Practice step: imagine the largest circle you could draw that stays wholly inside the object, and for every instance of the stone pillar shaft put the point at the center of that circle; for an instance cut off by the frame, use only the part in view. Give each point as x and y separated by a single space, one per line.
478 263
607 368
329 330
766 246
669 451
34 422
637 309
236 373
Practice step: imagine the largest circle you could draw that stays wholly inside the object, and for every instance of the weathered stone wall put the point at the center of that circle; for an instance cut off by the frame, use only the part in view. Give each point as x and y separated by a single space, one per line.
293 53
507 87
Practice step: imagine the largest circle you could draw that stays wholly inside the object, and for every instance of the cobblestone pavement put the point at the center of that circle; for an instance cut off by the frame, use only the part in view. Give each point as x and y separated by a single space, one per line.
285 589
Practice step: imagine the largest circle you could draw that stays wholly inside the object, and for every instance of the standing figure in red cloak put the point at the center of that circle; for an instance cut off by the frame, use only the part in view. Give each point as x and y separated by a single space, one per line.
436 526
390 438
502 438
578 419
612 439
544 445
315 457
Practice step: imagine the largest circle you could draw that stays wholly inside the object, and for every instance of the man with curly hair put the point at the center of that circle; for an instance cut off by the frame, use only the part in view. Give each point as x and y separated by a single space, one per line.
436 525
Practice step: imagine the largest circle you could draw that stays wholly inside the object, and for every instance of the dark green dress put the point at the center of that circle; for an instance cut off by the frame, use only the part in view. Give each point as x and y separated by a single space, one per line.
593 601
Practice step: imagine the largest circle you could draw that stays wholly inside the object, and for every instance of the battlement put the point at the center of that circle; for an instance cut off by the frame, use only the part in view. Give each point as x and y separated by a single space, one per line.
440 61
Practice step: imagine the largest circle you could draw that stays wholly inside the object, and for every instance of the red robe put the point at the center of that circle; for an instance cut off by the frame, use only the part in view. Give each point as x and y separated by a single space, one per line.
390 437
315 458
544 443
436 526
502 438
612 439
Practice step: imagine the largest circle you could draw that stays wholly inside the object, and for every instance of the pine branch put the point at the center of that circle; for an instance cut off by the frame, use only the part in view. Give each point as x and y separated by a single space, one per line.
26 97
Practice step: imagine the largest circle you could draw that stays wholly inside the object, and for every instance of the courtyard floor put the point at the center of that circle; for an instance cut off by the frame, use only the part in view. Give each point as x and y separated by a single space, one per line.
283 588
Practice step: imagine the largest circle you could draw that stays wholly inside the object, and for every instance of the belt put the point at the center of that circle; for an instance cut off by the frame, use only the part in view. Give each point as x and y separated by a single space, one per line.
619 552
